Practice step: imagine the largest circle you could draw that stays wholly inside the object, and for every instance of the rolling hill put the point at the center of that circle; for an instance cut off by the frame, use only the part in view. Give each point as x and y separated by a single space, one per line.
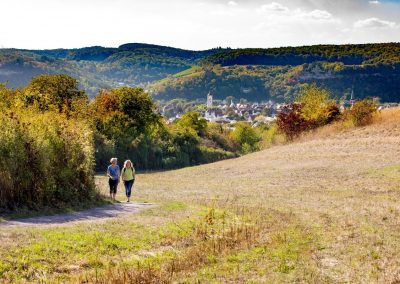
278 74
99 67
368 70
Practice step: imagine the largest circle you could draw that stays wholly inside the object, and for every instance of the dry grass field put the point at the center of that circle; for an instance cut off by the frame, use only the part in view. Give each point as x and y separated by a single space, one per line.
324 209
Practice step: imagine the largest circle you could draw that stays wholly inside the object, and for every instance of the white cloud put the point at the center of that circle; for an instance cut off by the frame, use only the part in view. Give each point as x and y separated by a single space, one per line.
374 23
277 10
232 3
273 7
320 15
374 2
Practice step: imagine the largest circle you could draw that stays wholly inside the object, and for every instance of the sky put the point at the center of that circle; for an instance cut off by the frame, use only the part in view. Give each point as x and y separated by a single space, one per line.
196 24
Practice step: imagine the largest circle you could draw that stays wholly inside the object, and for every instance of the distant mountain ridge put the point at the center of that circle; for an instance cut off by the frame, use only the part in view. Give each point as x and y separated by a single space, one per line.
254 74
99 67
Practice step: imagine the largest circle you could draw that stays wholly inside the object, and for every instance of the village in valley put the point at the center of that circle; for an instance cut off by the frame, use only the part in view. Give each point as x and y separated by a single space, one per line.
228 111
231 110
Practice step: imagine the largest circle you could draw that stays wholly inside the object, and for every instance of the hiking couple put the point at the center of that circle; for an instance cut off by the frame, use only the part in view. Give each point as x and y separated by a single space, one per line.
127 175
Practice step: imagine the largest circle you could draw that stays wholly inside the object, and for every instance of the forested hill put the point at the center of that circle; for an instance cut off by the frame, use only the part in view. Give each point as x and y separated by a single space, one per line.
99 67
369 70
366 54
254 74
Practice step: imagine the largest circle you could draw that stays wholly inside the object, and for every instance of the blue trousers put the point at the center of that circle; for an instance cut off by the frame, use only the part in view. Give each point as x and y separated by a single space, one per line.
128 187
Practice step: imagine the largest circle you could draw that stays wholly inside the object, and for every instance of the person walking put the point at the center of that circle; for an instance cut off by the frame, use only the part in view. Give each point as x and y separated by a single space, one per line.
128 177
113 174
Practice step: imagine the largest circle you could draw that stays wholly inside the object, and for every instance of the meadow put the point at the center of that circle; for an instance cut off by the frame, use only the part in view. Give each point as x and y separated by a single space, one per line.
323 209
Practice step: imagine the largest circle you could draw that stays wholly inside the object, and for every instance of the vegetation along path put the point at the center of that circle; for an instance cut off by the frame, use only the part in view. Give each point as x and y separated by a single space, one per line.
94 214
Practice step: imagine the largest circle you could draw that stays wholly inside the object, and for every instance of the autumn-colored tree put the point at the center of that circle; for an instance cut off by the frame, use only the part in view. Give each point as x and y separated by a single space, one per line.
317 105
362 112
291 122
53 92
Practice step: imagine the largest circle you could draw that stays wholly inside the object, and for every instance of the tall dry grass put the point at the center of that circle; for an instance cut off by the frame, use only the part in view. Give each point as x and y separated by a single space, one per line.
387 118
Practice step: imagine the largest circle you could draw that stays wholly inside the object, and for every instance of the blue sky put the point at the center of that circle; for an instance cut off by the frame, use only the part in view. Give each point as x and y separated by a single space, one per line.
197 24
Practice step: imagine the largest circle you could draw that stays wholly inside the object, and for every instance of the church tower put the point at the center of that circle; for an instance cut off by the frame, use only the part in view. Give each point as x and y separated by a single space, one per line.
209 100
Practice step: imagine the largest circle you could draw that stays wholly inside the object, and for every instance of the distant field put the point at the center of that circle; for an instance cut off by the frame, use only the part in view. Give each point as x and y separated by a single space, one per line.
325 209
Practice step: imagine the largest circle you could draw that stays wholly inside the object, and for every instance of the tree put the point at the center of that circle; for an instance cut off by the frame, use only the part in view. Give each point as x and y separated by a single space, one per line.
124 112
127 125
55 91
194 121
138 106
291 122
246 137
317 105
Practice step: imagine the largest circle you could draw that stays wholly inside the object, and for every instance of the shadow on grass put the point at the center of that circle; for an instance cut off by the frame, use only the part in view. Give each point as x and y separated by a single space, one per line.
24 213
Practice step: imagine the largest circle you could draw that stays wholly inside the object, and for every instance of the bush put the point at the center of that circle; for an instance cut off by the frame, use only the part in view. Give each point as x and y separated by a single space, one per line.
195 121
362 112
317 106
291 122
210 155
246 137
47 160
220 135
271 136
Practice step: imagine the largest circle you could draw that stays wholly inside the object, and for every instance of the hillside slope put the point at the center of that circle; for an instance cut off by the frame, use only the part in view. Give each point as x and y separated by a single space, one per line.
324 209
282 83
344 187
99 67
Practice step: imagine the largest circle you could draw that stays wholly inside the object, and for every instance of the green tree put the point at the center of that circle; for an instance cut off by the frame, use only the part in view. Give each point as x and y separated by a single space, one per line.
127 125
194 121
246 137
53 92
124 112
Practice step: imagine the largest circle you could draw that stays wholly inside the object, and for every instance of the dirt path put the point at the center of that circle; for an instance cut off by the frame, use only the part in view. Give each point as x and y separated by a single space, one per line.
94 214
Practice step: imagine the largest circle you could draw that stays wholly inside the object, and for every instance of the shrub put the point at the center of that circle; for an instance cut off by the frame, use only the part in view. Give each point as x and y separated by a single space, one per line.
220 135
291 122
271 136
317 105
246 137
47 160
210 155
195 121
362 112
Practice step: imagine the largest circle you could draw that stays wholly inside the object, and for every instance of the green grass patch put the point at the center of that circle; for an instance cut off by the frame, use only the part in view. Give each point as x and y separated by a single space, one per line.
165 209
285 254
190 71
389 172
61 251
